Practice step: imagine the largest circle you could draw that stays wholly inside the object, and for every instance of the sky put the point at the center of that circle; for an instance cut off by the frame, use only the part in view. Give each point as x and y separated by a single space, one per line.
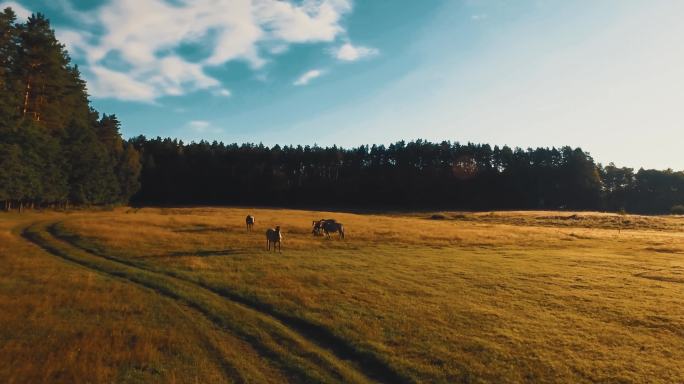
604 75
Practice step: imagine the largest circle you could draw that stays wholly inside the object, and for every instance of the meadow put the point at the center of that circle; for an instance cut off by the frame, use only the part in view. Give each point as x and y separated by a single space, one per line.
188 295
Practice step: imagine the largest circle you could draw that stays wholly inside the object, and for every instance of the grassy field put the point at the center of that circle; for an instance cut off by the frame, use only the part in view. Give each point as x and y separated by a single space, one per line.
187 295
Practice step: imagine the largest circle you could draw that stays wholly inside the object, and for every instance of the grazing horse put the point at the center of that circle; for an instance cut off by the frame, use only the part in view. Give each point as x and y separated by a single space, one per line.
274 236
317 226
250 222
332 226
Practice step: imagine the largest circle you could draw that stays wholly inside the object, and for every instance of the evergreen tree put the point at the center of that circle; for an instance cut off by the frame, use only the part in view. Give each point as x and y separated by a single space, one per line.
11 174
41 66
8 50
108 134
128 172
91 176
53 146
45 168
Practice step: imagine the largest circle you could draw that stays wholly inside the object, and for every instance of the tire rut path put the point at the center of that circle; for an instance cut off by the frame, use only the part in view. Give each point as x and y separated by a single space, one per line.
369 364
333 358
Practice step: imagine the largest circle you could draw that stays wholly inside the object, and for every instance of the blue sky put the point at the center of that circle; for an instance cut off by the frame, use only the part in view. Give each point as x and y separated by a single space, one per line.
606 75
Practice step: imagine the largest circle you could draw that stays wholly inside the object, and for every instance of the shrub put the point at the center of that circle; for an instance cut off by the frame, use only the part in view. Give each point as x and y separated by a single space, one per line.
677 209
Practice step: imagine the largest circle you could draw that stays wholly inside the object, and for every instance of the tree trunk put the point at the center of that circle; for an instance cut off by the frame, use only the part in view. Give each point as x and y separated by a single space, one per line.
26 96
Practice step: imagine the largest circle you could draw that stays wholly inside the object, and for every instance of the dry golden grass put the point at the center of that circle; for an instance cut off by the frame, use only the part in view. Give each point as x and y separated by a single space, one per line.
62 323
472 297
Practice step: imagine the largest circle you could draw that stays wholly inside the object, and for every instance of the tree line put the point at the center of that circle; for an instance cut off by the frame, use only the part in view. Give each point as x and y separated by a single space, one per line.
54 148
417 174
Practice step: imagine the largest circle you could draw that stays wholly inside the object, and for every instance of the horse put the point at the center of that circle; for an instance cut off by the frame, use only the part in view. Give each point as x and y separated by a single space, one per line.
250 222
274 236
332 226
317 226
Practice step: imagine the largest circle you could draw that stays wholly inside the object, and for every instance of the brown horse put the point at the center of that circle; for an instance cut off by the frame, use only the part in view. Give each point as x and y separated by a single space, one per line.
317 226
273 236
250 222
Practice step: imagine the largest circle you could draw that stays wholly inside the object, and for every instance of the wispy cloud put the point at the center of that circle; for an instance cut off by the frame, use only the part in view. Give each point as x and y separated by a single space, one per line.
222 92
202 126
112 84
145 36
305 78
21 12
349 52
478 17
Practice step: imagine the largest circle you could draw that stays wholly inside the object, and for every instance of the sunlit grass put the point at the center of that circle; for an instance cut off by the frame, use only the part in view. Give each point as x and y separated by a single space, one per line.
515 297
63 323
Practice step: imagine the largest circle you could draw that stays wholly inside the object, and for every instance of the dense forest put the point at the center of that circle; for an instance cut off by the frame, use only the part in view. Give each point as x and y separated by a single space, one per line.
418 174
56 150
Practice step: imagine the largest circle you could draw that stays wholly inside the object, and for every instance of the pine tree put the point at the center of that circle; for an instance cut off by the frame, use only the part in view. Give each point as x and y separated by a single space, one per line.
54 146
128 171
108 134
42 67
44 168
11 174
8 50
91 175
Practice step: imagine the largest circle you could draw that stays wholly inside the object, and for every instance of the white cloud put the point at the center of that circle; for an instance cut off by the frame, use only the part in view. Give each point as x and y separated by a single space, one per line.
145 35
68 9
173 76
170 76
21 12
305 78
199 126
112 84
309 21
349 52
75 42
278 49
222 92
203 127
478 17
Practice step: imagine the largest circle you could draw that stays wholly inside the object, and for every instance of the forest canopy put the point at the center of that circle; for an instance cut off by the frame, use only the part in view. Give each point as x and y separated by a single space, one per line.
56 150
417 174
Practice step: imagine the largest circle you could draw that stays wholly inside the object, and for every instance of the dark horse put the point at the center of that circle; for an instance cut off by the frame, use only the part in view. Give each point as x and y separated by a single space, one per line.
317 226
250 222
330 226
273 236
